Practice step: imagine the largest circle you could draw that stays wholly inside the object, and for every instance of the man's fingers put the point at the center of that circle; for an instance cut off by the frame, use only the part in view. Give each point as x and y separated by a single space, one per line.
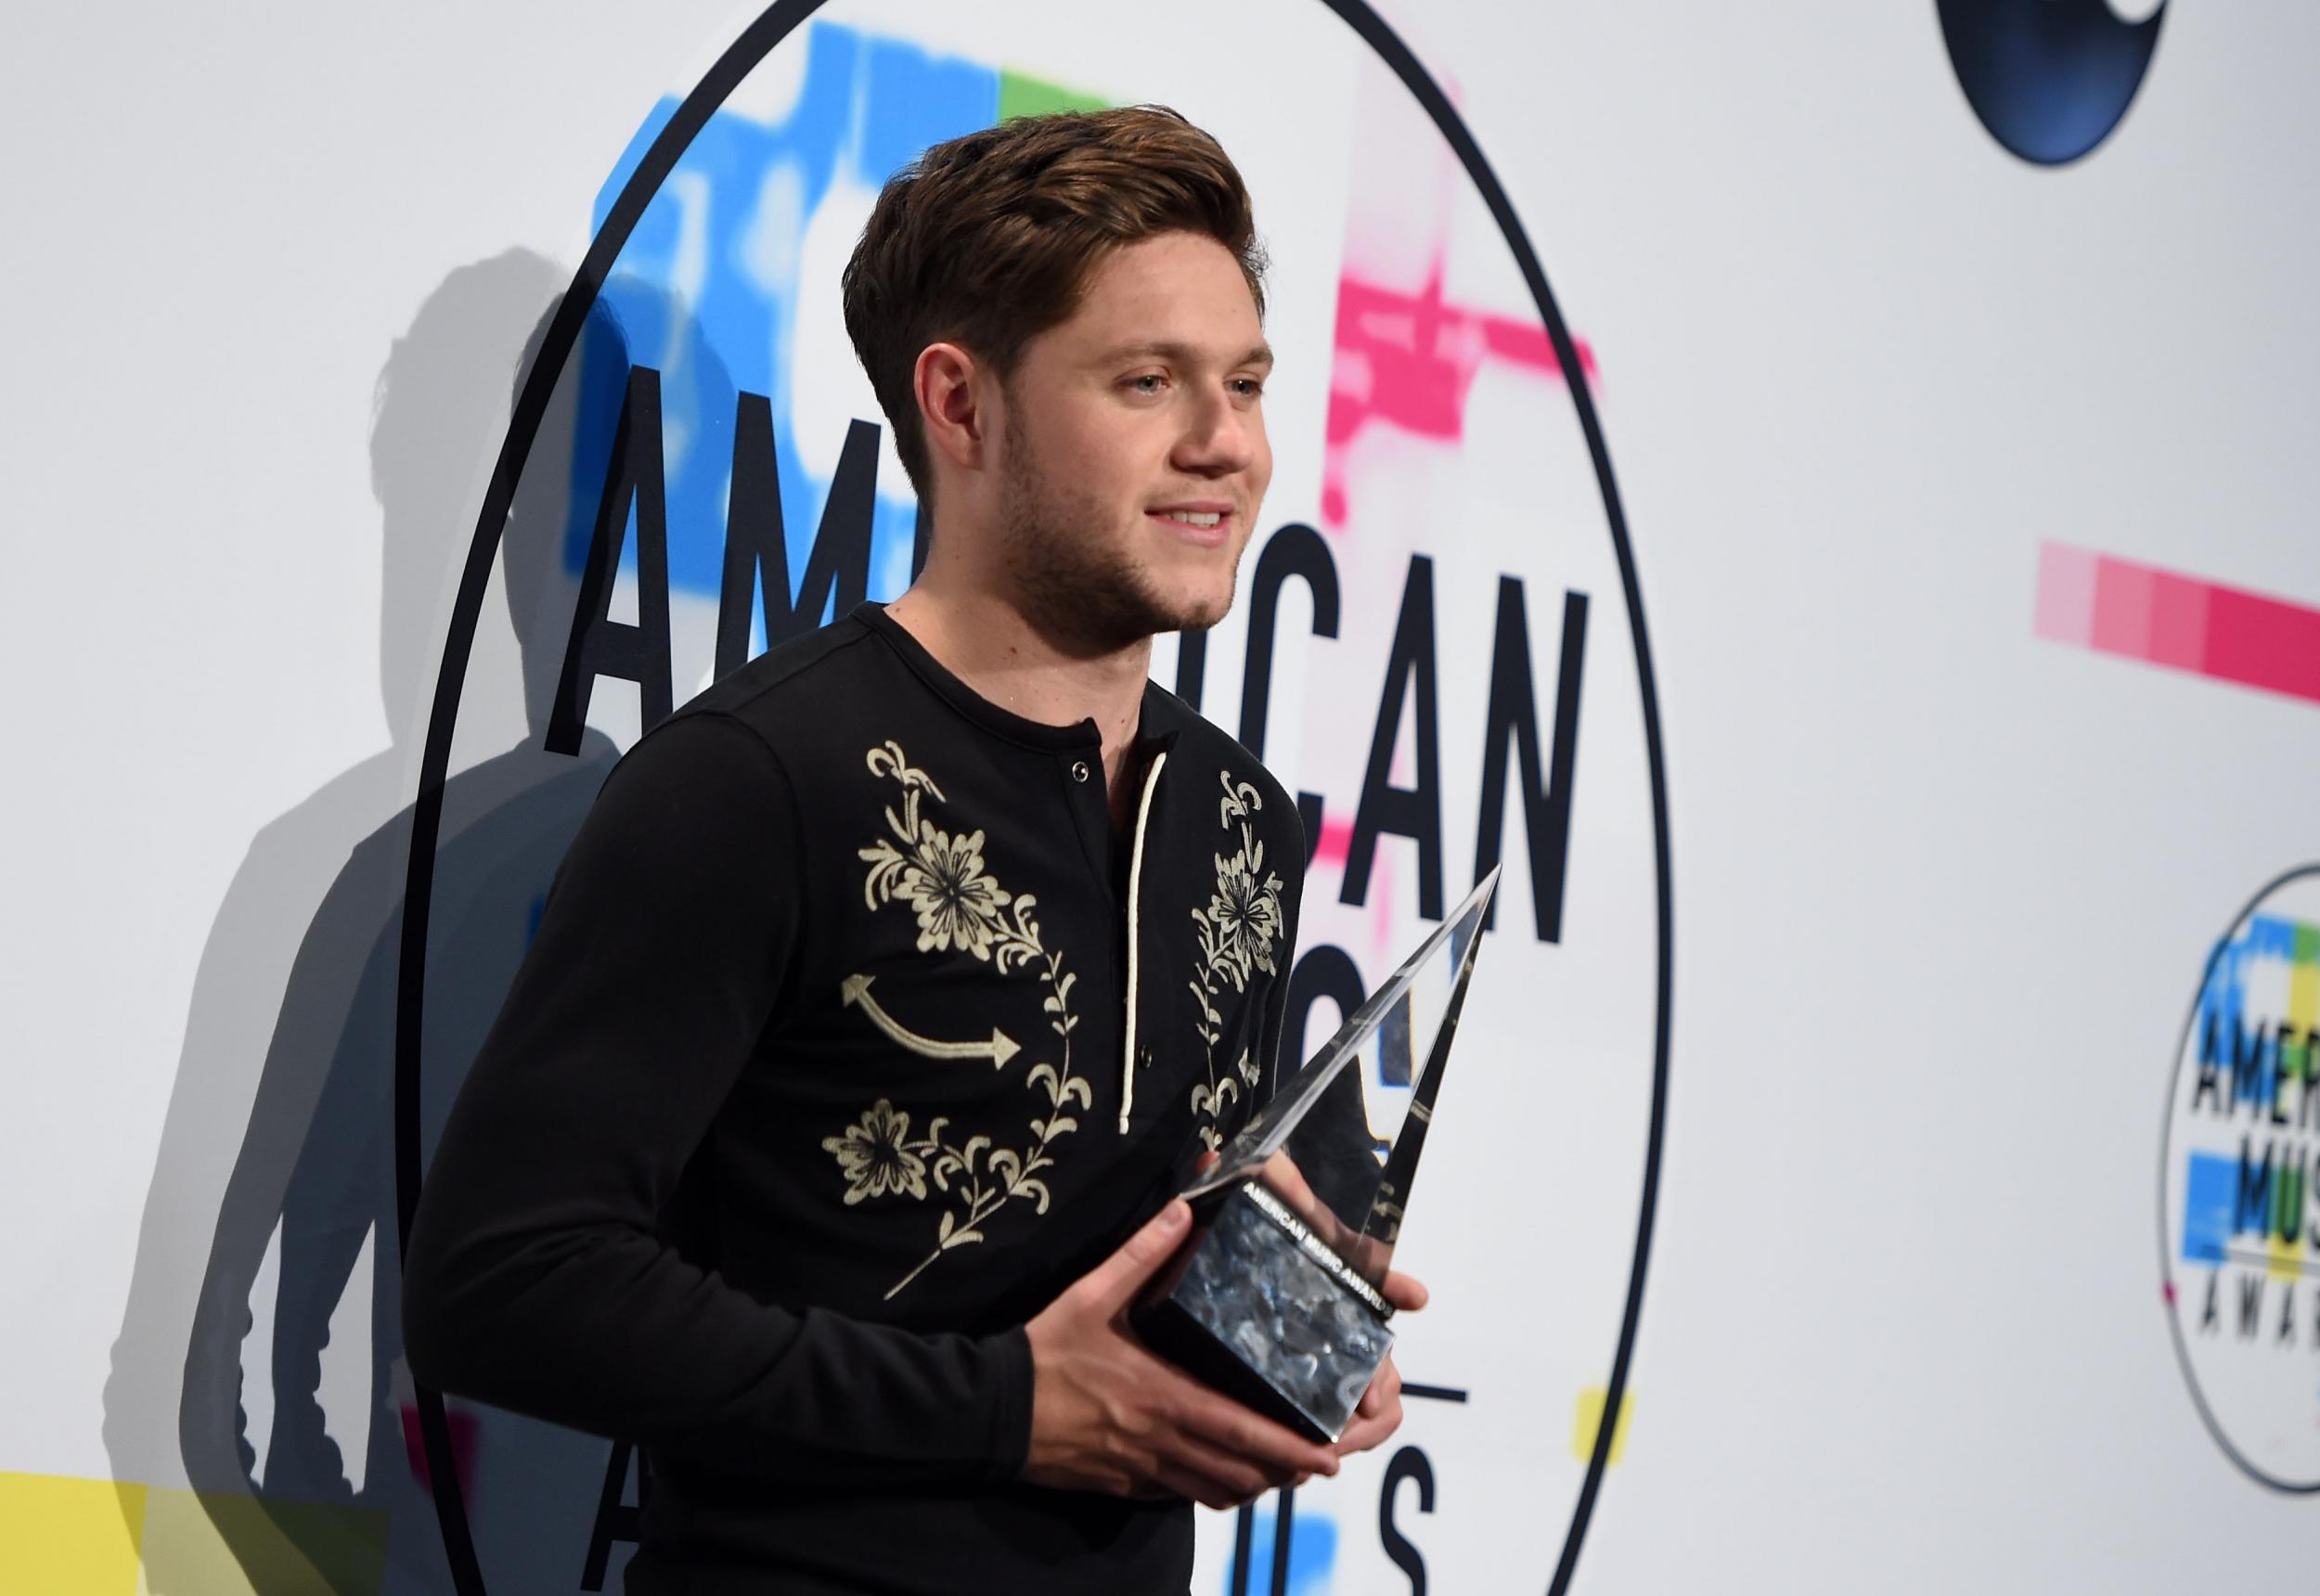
1238 1477
1207 1477
1364 1434
1225 1423
1194 1485
1114 1283
1288 1182
1405 1291
1385 1387
1379 1414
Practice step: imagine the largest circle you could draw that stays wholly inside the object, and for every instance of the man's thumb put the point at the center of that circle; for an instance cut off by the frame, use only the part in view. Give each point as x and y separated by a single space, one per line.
1117 1281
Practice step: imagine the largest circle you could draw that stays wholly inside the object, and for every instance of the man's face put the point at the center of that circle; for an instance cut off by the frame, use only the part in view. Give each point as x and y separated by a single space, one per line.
1134 456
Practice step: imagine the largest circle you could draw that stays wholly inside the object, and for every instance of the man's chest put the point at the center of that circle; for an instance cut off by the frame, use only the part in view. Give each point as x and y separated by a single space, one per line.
998 1006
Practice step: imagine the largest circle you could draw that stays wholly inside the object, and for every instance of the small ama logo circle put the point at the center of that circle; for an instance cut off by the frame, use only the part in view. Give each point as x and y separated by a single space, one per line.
2050 79
2239 1201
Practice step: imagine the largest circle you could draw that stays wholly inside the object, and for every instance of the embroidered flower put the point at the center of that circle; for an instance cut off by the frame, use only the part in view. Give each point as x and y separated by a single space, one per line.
956 903
875 1157
1244 915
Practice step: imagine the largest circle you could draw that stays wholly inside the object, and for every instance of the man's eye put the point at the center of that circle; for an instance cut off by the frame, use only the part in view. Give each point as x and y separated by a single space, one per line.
1148 383
1248 387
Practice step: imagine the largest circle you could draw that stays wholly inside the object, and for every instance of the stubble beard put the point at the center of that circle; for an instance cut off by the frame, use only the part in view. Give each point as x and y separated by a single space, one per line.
1074 587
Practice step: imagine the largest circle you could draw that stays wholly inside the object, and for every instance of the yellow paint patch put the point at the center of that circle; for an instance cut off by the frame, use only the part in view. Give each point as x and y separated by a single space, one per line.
1588 1422
71 1537
63 1536
2286 1257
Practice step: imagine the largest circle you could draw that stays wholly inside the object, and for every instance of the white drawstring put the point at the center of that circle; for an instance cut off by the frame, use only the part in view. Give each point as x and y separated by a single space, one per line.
1135 879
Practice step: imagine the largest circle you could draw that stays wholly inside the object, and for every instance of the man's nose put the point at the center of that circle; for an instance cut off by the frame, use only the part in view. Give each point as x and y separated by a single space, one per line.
1219 438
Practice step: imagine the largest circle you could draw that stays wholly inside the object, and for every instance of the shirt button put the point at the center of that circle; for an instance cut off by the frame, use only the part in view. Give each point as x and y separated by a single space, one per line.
1079 770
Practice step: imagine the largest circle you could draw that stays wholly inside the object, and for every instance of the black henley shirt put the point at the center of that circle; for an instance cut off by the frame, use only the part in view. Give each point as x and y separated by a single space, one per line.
847 1041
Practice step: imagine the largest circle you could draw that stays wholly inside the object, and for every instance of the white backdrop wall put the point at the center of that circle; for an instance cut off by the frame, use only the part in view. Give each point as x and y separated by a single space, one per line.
1881 398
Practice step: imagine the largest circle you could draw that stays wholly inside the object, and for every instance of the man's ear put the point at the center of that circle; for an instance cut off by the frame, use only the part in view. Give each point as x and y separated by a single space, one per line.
948 408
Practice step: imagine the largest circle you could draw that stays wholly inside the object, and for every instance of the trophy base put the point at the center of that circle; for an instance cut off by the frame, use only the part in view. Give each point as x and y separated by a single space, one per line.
1258 1307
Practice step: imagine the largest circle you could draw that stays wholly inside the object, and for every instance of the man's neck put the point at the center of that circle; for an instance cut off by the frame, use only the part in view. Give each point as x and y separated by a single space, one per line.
987 643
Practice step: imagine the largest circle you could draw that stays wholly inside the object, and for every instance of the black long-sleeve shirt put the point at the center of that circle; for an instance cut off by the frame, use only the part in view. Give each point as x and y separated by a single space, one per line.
850 1036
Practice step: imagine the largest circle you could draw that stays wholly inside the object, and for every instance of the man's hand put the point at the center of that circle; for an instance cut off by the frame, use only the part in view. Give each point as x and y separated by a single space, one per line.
1379 1413
1107 1415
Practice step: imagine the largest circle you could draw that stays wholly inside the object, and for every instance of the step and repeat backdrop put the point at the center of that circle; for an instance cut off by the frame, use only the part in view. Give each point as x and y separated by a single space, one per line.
1824 500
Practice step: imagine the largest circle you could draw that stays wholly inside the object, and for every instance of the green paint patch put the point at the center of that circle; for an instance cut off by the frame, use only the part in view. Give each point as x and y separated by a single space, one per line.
2307 944
1021 96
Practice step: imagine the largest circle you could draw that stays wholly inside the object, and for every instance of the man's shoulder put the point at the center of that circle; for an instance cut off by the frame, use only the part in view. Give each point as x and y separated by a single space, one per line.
757 726
769 690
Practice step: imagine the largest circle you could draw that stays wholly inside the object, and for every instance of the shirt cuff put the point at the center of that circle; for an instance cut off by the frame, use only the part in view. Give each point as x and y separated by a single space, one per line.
1010 1352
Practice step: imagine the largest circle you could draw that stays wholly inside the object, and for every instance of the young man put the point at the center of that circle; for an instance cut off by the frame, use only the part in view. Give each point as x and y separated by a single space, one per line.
894 984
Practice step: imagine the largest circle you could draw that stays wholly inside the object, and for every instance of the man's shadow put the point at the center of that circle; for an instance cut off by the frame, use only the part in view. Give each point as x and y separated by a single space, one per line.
274 1189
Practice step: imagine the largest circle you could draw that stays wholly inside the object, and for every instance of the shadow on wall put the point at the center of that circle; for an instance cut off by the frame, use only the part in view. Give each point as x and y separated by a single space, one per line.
259 1358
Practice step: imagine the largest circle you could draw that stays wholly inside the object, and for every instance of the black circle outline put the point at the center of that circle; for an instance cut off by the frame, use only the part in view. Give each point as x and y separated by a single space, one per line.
2166 1140
775 23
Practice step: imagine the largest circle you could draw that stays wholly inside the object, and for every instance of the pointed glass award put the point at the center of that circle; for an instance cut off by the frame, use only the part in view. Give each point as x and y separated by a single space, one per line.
1274 1298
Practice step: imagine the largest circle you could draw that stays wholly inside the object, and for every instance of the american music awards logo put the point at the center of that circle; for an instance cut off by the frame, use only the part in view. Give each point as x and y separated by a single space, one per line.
2239 1222
1439 645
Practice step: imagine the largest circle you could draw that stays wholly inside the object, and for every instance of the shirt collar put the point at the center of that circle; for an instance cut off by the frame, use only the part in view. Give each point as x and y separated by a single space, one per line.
1160 717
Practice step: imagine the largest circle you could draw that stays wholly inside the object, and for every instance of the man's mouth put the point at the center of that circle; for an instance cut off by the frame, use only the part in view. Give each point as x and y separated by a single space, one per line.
1202 523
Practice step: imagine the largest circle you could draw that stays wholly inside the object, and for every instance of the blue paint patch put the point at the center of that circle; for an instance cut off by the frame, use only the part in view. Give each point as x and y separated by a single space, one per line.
1312 1553
706 291
2211 1196
2271 937
2227 1037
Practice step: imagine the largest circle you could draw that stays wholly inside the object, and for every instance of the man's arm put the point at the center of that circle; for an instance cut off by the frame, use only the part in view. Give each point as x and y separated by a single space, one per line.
536 1280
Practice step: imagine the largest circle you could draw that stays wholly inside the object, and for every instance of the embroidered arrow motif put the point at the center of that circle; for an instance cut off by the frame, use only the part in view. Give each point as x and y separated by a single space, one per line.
855 991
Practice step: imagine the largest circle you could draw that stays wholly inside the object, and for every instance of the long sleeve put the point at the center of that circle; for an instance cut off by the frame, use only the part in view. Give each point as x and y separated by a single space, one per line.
538 1277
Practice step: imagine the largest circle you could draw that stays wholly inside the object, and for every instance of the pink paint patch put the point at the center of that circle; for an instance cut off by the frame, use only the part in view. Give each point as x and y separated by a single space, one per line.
1409 360
2065 592
2179 609
2164 618
2264 642
1336 844
463 1437
1336 841
2122 609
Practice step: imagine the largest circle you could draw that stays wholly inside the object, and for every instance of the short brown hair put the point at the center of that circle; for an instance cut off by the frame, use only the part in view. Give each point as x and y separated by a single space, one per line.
987 241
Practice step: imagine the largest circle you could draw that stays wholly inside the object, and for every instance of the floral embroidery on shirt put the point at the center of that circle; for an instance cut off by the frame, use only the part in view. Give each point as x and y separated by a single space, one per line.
1243 918
940 876
937 872
1237 932
875 1157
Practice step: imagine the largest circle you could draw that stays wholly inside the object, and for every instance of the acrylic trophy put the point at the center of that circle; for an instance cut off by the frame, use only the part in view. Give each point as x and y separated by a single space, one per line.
1274 1298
